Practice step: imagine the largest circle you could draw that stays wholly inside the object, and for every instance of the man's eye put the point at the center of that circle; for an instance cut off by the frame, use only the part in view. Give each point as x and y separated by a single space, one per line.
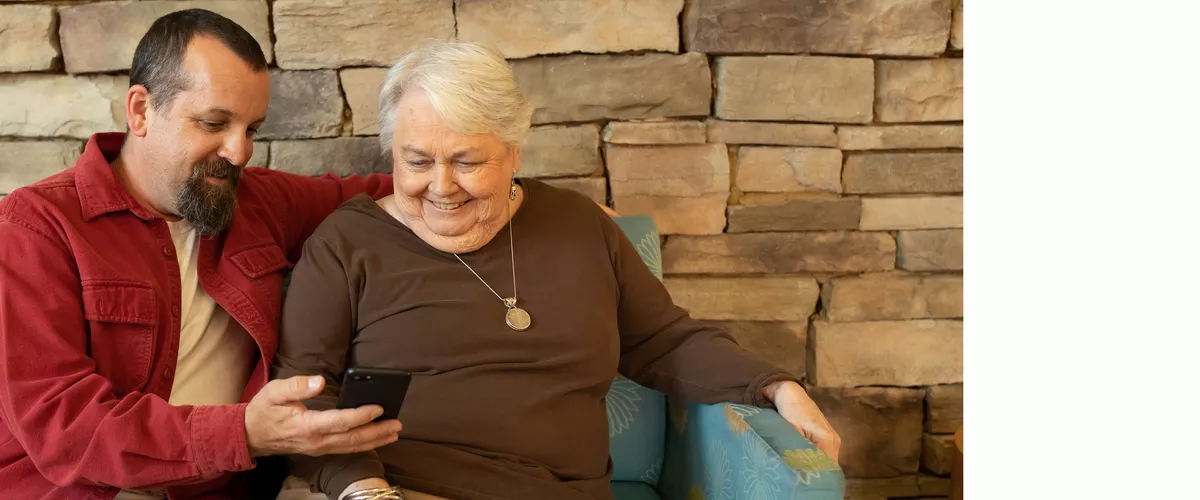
208 125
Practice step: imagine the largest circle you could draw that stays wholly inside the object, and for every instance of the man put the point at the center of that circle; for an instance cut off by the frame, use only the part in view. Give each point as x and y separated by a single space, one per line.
140 291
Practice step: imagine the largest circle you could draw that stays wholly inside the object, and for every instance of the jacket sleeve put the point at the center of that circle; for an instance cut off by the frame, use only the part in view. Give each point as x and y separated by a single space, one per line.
664 348
65 415
317 328
303 202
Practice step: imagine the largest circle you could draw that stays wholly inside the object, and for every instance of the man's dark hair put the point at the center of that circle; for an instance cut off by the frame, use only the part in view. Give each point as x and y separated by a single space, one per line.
158 60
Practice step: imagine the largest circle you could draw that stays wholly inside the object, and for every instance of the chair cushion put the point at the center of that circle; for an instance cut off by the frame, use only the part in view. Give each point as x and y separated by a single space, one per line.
637 423
627 490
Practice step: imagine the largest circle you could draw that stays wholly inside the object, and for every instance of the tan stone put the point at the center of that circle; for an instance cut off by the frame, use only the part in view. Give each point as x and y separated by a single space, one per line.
684 170
261 156
557 151
937 250
39 105
795 215
670 132
25 162
304 104
780 343
101 37
774 169
312 34
891 27
795 88
27 38
933 486
929 90
903 173
840 251
750 299
880 429
592 187
361 86
956 28
857 138
890 296
923 212
591 87
937 455
944 409
881 488
894 353
701 214
519 28
342 156
780 134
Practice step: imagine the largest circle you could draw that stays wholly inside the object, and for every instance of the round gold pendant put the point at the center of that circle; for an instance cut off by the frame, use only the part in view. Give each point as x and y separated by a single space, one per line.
517 319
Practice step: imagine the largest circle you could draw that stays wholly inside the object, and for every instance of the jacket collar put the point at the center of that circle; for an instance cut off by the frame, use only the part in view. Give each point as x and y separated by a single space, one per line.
99 191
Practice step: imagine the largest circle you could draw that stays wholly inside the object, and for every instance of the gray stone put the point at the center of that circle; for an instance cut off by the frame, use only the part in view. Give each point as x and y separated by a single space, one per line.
557 151
937 456
903 173
27 38
795 88
684 170
956 29
880 429
892 296
591 87
362 86
40 105
937 250
772 253
519 28
25 162
774 169
592 187
876 27
892 353
929 90
780 134
944 409
304 104
101 37
668 132
795 215
746 299
313 34
342 156
921 212
699 214
854 138
781 343
261 156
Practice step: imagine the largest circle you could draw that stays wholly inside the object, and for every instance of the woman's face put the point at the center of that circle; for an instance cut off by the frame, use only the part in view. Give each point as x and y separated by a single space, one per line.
451 189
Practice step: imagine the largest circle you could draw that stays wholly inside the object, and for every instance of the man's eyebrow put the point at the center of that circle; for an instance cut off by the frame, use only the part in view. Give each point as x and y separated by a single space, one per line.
220 111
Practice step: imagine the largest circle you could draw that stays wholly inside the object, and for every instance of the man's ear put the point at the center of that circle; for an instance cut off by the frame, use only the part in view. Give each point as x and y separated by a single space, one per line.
137 109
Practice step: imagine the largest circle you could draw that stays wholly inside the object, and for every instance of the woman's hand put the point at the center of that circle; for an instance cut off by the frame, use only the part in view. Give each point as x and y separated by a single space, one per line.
798 409
364 484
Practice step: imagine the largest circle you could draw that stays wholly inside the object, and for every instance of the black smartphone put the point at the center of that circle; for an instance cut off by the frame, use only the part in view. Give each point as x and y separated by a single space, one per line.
385 387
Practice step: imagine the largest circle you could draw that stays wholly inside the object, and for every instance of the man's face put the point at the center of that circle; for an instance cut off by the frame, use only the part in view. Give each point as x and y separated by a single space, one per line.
198 144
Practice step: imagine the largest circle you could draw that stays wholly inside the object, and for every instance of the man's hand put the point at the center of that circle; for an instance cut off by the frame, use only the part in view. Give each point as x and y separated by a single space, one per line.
798 409
278 424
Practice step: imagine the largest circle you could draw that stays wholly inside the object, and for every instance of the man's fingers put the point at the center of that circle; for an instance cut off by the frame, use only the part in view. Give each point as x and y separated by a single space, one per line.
294 389
343 420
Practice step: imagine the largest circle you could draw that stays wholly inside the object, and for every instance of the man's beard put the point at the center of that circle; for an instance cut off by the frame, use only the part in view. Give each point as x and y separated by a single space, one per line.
209 207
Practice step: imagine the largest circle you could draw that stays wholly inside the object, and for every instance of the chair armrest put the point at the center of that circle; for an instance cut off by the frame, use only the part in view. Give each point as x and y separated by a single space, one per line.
727 451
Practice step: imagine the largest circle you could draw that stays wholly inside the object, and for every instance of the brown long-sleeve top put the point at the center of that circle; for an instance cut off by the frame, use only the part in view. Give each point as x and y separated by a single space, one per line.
494 413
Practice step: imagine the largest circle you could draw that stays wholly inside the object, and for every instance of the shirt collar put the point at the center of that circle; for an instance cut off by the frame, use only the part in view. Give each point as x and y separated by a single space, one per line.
99 191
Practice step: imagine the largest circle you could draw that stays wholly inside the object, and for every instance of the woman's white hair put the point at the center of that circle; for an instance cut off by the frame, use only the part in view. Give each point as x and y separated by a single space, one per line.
471 87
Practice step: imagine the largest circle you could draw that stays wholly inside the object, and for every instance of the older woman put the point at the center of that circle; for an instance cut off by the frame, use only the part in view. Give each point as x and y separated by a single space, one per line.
511 302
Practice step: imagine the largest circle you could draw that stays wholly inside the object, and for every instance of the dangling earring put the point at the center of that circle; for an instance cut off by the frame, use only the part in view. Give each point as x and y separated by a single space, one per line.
512 191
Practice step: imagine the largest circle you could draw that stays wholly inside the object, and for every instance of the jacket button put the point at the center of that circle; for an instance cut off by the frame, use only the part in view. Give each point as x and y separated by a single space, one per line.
175 311
168 372
105 488
168 251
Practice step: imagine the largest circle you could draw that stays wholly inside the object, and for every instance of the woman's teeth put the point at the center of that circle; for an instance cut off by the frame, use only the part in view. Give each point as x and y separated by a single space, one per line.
448 206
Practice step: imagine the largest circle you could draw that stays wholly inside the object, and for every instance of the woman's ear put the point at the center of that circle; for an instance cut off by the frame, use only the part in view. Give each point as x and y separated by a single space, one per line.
137 110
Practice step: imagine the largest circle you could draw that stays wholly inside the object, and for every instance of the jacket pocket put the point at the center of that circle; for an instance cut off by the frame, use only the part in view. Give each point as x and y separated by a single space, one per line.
122 320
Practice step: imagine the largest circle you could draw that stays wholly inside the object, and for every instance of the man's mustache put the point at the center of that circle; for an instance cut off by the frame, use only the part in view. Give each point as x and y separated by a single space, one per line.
219 168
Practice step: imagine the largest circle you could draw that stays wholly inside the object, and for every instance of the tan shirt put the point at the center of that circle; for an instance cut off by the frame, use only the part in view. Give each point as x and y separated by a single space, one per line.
492 412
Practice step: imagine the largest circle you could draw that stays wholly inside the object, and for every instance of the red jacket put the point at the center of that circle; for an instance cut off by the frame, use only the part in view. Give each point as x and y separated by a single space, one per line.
89 327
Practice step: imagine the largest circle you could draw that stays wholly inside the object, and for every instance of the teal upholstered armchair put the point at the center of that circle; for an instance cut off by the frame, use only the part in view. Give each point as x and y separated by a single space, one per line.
661 449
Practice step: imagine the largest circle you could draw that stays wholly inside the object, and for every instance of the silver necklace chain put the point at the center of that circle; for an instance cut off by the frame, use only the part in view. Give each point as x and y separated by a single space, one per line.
508 303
